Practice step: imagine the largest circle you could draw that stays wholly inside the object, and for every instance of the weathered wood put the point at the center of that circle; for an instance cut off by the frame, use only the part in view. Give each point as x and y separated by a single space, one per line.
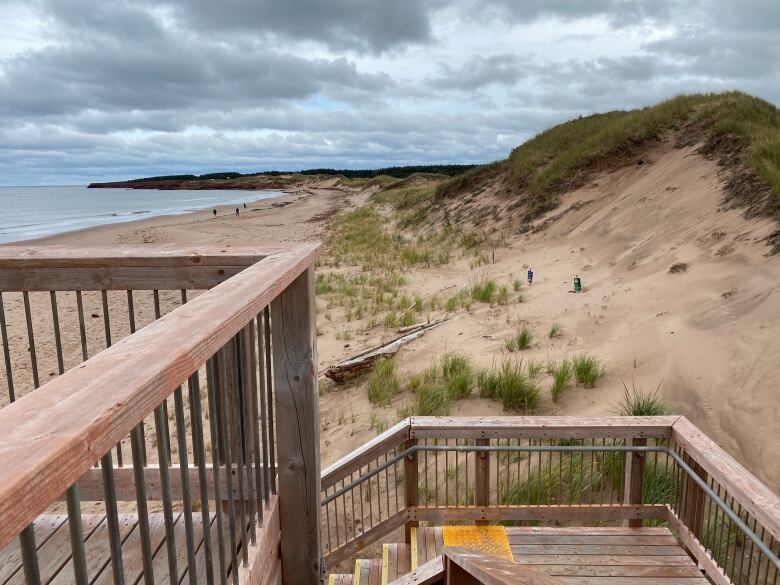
489 570
368 452
352 547
482 477
743 486
696 550
363 362
49 439
634 476
410 490
426 574
518 427
11 555
298 442
444 515
264 554
693 498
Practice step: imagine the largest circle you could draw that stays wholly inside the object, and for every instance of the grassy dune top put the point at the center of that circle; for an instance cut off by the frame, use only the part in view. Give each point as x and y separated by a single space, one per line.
551 160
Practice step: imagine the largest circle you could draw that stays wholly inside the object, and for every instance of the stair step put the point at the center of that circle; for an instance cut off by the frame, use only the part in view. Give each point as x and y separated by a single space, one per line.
396 561
428 542
367 572
339 579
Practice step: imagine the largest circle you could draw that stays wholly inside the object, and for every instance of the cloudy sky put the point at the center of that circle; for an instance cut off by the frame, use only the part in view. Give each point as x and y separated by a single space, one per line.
107 89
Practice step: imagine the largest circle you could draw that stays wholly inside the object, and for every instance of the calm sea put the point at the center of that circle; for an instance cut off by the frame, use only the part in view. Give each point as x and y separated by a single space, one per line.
33 212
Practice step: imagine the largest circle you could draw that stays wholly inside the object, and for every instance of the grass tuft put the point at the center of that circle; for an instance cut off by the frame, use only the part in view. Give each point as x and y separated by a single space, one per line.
588 369
383 382
516 390
521 340
638 403
484 290
556 330
562 374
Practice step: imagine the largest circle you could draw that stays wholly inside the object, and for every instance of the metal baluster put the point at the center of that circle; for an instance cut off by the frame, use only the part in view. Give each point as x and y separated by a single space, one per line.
270 398
234 404
57 339
262 490
181 436
136 448
82 327
112 520
9 376
31 339
245 407
32 574
228 451
263 410
196 415
211 385
78 555
165 484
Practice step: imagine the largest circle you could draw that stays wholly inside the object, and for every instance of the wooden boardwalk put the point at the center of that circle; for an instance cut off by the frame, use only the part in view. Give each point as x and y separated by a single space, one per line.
53 540
606 555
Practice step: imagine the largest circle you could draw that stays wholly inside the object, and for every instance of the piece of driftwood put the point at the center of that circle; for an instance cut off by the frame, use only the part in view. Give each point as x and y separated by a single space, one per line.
363 362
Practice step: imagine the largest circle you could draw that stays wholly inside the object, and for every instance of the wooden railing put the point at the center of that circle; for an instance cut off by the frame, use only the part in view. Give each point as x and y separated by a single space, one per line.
192 395
557 470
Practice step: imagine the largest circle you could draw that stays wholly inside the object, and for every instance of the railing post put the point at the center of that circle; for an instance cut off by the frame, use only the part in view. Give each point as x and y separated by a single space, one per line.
693 498
293 337
481 478
634 477
410 485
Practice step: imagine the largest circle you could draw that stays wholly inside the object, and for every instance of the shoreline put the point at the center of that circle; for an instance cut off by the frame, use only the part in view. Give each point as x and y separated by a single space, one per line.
99 232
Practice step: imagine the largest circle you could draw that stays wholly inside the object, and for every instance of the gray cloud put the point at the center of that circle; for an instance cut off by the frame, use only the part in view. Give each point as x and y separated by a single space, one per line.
505 69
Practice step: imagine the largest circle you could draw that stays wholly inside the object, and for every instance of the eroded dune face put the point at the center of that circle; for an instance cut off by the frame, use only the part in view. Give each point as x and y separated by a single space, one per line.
708 336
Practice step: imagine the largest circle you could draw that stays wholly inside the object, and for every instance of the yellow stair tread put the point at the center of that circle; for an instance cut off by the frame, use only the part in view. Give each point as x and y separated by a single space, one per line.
490 540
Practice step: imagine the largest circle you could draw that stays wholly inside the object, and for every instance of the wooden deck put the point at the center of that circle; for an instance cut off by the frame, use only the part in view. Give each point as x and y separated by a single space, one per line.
53 539
607 555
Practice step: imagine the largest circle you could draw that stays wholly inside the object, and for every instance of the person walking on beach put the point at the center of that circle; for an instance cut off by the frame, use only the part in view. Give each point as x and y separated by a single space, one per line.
244 205
236 211
530 277
214 211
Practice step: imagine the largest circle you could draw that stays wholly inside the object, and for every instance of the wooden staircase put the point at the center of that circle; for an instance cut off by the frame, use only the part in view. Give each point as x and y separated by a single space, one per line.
397 560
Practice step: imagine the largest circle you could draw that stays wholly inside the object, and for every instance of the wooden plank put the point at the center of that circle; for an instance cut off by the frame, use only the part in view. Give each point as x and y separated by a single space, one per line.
352 547
91 483
293 332
403 558
200 555
438 536
49 439
385 563
161 558
442 515
54 555
595 549
747 490
426 574
132 563
413 553
97 550
424 427
634 581
392 562
694 547
430 542
490 570
410 489
598 530
116 278
356 573
375 572
657 571
366 453
11 556
570 538
605 560
365 571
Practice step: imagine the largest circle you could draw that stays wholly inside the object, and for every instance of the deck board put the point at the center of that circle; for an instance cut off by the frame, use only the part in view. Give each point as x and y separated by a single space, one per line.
11 555
609 556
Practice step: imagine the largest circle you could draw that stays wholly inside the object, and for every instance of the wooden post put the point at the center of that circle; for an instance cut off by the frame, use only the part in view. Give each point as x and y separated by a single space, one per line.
293 338
693 498
455 575
410 486
482 478
634 477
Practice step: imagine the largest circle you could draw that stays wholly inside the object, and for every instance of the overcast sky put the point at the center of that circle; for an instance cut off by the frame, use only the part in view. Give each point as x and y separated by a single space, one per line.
106 89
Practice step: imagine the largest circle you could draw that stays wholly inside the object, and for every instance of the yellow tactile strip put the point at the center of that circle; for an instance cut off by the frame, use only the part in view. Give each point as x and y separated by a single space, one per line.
490 540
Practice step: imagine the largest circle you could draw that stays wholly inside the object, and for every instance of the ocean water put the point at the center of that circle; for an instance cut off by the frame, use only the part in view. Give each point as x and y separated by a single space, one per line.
34 212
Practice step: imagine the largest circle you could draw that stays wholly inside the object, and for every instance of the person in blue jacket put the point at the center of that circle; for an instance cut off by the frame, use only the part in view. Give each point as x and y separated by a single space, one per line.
530 277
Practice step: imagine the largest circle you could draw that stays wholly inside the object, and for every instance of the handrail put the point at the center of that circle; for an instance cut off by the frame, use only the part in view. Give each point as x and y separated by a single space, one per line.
48 439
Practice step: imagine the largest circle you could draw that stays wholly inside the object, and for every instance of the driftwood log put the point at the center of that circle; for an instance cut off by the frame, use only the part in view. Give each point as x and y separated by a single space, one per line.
361 363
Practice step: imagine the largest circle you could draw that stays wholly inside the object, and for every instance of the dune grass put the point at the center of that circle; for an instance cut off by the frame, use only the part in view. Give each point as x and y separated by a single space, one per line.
587 369
556 330
562 374
487 383
383 383
484 290
458 375
521 340
516 390
636 402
